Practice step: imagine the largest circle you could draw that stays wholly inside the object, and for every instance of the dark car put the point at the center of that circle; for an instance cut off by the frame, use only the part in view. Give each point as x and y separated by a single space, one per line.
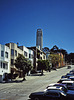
69 75
72 71
70 95
64 76
68 67
54 68
48 95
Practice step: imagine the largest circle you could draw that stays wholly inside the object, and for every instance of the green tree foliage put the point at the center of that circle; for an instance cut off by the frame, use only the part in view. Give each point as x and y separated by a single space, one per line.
55 59
43 65
55 49
65 54
46 49
23 64
71 58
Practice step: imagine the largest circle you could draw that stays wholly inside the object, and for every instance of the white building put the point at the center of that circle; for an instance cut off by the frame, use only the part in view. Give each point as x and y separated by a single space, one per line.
27 53
4 61
15 50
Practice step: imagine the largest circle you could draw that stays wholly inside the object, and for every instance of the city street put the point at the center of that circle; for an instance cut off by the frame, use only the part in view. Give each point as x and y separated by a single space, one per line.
21 90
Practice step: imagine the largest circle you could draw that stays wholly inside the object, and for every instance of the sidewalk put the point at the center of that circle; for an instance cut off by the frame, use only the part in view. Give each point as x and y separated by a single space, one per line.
30 77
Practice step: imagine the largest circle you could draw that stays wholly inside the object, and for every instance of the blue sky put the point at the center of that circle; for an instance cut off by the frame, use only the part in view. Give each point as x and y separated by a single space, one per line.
20 19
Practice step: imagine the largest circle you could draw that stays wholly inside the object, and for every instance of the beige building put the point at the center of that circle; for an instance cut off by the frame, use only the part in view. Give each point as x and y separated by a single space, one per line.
14 52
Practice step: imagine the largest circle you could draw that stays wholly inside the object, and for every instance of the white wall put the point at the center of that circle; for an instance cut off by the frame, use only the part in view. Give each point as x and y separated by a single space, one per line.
4 60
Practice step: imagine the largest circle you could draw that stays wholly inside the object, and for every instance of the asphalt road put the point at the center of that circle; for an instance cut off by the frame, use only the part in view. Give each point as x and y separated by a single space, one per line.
21 90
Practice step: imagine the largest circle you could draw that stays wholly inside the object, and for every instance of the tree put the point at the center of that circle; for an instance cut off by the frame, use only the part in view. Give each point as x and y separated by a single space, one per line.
43 65
55 59
64 52
46 49
55 49
23 64
28 66
71 58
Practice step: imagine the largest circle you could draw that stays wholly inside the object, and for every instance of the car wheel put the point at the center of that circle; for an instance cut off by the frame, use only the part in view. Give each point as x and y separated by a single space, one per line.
36 98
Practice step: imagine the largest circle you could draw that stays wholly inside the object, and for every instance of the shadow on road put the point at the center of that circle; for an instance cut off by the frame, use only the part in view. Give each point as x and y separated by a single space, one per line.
16 81
37 74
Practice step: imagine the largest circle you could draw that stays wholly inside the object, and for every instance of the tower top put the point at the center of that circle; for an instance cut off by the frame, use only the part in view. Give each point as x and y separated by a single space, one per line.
39 29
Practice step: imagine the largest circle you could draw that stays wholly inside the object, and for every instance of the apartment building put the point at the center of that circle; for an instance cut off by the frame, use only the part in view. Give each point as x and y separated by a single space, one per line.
38 54
28 53
10 51
15 50
4 61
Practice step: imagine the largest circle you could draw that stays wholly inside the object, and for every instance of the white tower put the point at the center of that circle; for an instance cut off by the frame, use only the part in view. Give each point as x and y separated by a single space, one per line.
39 38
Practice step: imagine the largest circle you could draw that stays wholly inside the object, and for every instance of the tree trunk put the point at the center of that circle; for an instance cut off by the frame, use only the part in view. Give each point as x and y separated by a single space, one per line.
24 75
42 72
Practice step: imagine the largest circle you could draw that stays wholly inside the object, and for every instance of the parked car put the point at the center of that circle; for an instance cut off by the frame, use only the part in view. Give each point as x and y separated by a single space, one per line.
69 84
72 78
52 84
68 67
54 68
70 95
48 95
64 76
72 71
56 88
69 75
58 85
63 79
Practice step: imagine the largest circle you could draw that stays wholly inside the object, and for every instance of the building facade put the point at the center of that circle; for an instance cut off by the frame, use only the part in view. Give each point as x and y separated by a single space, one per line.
39 38
28 53
4 61
38 54
15 50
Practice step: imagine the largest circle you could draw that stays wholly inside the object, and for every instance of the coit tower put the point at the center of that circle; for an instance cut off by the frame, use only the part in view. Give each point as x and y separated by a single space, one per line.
39 38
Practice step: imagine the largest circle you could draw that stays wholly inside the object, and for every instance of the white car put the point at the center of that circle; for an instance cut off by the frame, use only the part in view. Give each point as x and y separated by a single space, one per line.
63 79
69 84
54 88
58 85
72 78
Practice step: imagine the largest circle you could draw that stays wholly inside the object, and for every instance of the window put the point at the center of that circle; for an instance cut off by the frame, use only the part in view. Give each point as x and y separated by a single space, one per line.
43 57
52 94
15 53
4 65
29 55
2 53
6 54
1 64
25 53
12 61
12 52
